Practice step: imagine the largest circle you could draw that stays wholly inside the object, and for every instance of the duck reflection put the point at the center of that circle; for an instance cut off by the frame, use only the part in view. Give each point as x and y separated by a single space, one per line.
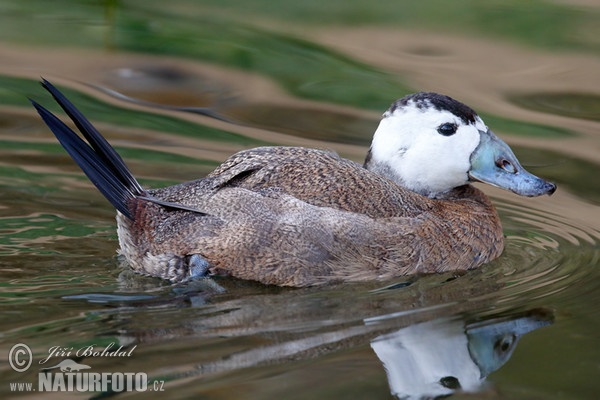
437 358
440 345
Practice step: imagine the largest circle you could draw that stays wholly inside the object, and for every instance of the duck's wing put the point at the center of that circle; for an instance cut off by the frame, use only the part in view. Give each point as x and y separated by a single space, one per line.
320 178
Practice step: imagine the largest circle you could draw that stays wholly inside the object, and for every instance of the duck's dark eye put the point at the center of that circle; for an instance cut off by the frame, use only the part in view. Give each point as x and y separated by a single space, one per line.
447 129
450 382
505 343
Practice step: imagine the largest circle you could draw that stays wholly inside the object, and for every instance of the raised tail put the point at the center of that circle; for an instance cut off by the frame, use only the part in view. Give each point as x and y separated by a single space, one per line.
97 158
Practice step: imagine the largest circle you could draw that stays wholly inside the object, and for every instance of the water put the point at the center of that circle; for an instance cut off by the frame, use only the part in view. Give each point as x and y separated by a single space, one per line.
524 326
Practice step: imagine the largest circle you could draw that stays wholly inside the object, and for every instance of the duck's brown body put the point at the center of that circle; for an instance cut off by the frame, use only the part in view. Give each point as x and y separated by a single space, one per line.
300 217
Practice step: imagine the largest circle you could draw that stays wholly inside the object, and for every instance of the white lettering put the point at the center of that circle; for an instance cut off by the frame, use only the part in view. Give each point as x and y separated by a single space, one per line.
141 382
94 381
117 382
57 351
45 382
91 381
21 387
59 383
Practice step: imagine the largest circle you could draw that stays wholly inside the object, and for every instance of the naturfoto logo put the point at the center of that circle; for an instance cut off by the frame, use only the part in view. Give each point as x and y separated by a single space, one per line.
70 379
68 375
68 365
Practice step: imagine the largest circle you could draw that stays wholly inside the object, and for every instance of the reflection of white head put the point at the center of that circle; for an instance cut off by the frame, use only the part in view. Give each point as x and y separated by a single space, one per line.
423 360
435 358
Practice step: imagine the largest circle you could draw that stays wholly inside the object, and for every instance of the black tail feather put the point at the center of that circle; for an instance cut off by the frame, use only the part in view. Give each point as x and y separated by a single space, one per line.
96 140
100 162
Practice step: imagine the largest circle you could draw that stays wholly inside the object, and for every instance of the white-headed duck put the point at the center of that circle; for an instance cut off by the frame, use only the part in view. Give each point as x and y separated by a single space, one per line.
295 216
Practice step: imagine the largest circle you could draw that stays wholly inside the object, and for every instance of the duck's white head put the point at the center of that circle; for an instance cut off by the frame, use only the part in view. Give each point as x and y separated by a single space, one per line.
431 144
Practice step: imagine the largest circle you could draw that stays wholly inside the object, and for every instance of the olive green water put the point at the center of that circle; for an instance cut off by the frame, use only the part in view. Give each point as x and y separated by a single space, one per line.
178 86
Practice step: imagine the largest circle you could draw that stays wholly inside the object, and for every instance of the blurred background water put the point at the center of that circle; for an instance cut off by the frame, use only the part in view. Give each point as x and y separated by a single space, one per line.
178 86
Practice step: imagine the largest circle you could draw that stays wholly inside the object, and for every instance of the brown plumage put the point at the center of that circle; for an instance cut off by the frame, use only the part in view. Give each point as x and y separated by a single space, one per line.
290 216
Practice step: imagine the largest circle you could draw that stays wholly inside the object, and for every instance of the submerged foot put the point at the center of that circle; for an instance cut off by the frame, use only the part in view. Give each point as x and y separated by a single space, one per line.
198 266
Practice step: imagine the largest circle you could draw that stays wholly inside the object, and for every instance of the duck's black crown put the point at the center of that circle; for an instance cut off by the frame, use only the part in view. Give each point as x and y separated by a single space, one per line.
440 102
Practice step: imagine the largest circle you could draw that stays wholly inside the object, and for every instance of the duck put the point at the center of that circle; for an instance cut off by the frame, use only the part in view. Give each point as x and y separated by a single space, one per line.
298 217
